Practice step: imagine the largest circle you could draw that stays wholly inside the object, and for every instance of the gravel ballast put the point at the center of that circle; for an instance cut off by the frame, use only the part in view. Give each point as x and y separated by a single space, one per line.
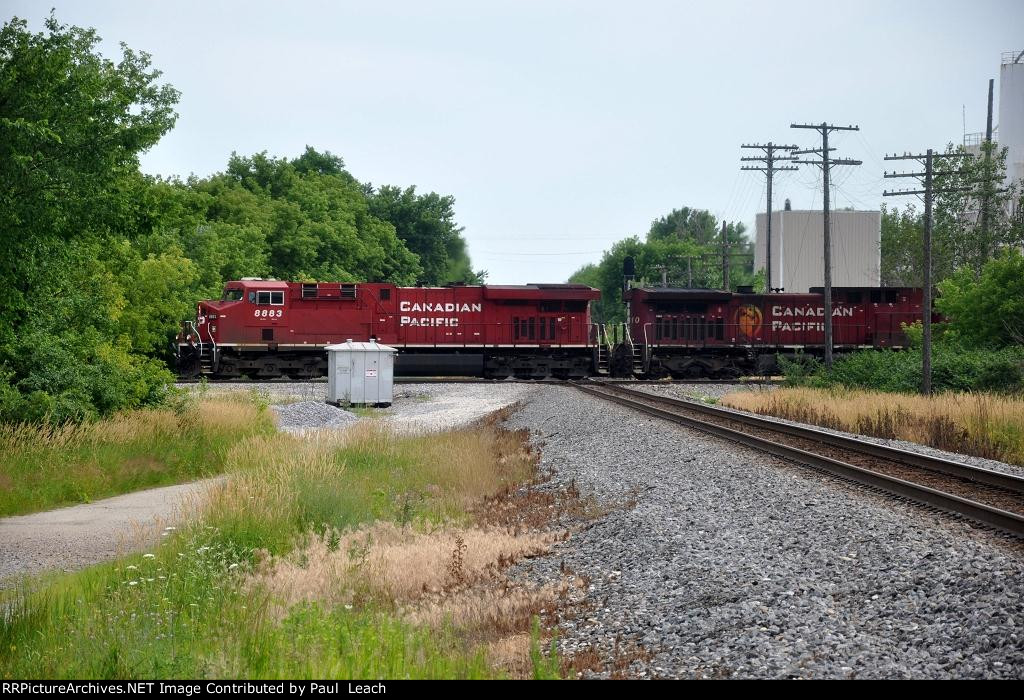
311 415
735 564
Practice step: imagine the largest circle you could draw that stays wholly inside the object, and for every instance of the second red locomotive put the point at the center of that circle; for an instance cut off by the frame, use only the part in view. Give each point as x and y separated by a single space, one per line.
708 333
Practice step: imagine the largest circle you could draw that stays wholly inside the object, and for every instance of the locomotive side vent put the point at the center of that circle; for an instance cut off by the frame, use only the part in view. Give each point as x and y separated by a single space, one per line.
309 291
348 291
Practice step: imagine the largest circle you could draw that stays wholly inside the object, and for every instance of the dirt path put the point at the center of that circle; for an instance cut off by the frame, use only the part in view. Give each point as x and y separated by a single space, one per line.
77 536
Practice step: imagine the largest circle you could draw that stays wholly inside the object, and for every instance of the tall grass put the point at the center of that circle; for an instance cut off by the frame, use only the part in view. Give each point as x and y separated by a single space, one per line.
334 555
983 425
54 465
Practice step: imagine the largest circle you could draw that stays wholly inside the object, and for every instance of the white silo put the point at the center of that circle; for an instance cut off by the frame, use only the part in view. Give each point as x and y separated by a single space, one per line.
1011 114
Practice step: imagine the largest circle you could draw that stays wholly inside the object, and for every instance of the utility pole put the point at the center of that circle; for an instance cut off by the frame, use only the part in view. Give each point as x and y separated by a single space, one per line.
987 147
725 255
928 180
826 164
725 259
664 274
769 168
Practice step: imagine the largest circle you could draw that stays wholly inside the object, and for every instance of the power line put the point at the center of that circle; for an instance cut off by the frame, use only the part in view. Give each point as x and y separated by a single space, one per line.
929 191
825 163
767 165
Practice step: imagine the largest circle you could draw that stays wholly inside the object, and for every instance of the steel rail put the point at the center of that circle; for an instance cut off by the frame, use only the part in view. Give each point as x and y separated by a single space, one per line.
481 380
1012 523
940 465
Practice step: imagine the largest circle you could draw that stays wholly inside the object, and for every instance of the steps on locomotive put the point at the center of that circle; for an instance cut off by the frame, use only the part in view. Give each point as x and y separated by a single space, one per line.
638 360
206 360
602 360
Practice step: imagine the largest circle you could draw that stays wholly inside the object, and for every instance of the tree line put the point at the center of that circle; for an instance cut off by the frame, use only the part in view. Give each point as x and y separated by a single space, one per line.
100 262
683 248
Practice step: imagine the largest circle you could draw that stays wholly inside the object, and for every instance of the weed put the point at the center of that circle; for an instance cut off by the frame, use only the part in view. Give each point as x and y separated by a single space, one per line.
350 555
46 466
984 425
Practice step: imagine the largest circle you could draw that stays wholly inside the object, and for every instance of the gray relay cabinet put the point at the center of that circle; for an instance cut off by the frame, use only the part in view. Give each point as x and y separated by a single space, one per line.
360 373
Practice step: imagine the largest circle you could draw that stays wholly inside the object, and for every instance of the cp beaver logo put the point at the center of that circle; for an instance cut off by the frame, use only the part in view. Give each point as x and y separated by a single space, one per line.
748 321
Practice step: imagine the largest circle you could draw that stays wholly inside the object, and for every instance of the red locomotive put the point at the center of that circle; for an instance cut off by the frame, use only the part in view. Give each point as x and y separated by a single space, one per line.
268 328
709 333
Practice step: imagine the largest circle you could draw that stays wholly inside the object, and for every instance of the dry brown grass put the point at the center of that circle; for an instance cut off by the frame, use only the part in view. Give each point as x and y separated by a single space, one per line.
984 425
394 565
210 415
45 466
450 517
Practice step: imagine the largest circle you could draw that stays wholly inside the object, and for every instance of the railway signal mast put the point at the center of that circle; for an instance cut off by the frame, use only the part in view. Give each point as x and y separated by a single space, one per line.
769 168
825 163
927 180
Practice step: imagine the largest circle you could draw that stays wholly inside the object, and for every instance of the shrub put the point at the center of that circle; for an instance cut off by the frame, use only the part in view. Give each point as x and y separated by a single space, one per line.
954 368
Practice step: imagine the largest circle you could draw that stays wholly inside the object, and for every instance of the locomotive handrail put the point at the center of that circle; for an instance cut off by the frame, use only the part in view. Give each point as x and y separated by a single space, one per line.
199 336
213 342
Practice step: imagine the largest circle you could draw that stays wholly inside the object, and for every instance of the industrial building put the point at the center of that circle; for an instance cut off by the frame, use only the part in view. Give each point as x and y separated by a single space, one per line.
1008 129
1011 114
798 261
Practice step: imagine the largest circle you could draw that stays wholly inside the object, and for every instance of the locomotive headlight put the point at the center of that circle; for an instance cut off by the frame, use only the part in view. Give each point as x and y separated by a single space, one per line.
213 328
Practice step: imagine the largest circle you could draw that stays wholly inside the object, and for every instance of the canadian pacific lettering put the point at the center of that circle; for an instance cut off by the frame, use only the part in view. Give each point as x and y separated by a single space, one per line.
787 314
448 307
435 321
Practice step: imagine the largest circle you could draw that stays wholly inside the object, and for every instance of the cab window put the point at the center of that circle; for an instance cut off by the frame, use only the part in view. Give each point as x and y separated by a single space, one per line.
271 298
233 294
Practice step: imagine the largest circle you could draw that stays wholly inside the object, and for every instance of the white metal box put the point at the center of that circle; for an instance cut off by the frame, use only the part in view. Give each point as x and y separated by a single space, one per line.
360 373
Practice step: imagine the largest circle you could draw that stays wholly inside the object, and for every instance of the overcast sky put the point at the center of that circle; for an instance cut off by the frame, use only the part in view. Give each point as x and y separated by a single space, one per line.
561 127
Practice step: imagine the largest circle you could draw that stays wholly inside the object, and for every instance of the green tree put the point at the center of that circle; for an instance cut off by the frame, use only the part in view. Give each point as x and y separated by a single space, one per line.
902 247
72 125
426 224
684 246
974 186
157 292
987 310
959 239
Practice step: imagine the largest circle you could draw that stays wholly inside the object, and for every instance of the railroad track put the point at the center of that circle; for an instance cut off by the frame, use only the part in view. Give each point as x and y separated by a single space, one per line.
480 380
982 495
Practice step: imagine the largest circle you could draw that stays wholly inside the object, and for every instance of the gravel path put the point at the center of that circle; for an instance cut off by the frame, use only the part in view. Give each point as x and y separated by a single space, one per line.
78 536
734 564
683 391
430 407
301 406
